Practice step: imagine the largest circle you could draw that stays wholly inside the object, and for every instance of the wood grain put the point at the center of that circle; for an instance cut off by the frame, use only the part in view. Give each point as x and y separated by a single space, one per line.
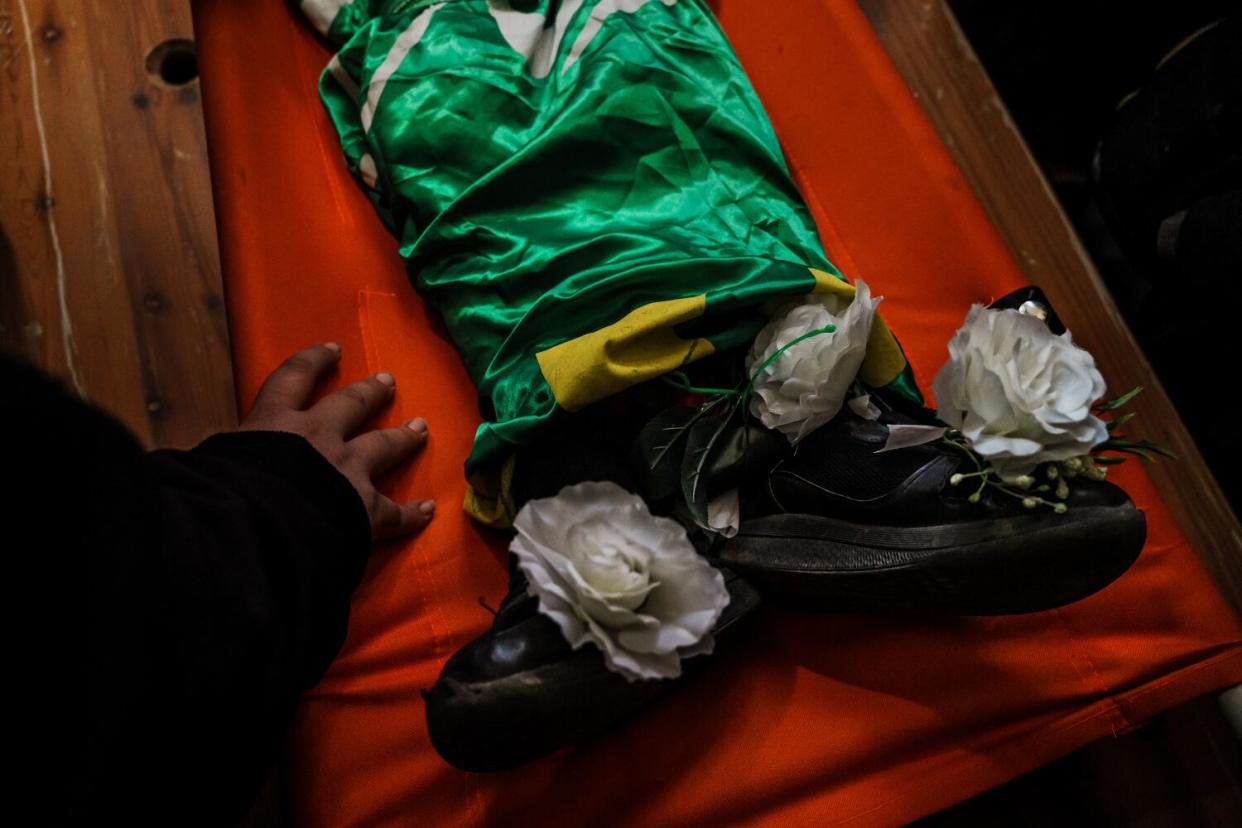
109 268
924 41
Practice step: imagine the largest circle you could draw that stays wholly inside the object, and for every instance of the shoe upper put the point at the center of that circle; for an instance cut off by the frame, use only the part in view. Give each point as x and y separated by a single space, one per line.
839 471
520 639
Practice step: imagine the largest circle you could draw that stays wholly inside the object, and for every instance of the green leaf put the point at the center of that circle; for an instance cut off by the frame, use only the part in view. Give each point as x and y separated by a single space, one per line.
1114 425
746 449
1113 405
1142 448
656 455
702 442
1136 451
1114 444
1156 448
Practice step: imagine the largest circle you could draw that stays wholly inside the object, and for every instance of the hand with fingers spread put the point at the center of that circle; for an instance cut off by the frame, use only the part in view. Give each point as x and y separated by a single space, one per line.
333 425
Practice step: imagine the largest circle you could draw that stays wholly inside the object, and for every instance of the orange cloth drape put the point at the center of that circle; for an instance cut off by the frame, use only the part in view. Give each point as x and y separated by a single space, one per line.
808 719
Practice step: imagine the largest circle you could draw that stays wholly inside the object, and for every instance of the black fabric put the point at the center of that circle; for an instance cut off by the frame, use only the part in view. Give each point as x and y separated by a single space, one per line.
591 444
1177 139
1208 249
171 606
1168 176
596 442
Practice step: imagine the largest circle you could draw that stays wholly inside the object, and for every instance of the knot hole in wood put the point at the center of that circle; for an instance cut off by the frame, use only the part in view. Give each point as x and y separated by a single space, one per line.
173 62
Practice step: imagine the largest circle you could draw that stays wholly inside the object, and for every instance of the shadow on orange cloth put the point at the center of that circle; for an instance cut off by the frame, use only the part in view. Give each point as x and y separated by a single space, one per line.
808 719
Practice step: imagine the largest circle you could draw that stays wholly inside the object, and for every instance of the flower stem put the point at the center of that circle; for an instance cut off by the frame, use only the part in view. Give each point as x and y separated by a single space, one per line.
677 379
780 352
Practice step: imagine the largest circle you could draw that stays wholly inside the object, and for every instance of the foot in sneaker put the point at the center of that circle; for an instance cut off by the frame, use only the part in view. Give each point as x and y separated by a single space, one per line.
845 526
519 692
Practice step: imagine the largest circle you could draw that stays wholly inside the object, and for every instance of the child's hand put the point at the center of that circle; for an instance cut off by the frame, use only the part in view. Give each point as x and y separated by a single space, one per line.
332 426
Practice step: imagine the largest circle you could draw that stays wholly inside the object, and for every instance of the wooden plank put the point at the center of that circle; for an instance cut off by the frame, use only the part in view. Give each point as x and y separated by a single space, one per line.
943 73
108 256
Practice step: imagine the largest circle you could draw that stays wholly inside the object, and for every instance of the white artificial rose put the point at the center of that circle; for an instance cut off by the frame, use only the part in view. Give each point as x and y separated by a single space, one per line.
610 573
1020 394
806 386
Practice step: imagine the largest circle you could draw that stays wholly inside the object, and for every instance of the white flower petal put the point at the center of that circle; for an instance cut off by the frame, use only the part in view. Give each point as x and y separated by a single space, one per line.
610 573
863 407
806 385
904 436
692 596
724 514
705 647
1020 394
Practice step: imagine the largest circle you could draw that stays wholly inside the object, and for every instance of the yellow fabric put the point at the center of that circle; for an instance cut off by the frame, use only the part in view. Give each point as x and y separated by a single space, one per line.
885 360
489 498
638 347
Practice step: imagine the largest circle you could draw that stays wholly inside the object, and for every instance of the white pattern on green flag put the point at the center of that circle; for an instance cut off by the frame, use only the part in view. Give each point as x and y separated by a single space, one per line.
322 12
554 220
348 84
368 170
527 34
406 41
595 22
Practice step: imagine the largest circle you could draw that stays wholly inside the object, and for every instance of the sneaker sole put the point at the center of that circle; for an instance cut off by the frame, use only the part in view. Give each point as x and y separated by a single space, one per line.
1004 566
506 722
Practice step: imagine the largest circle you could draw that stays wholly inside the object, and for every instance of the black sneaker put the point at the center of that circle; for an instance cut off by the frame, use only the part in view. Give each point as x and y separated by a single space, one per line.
839 527
847 529
519 692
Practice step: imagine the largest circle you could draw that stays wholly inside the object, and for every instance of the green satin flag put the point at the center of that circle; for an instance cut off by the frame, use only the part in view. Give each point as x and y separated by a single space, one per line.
588 191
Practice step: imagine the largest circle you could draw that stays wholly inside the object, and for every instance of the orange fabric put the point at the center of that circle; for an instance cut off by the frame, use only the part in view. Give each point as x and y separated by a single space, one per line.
808 719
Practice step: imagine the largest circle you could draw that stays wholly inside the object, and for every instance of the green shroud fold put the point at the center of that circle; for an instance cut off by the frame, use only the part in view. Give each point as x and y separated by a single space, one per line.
588 191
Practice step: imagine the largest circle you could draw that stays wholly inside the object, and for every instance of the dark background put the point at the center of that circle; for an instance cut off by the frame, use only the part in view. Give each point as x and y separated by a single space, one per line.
1062 68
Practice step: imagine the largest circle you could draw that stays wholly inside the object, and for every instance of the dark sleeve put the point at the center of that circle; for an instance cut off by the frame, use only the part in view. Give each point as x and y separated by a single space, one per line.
187 600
